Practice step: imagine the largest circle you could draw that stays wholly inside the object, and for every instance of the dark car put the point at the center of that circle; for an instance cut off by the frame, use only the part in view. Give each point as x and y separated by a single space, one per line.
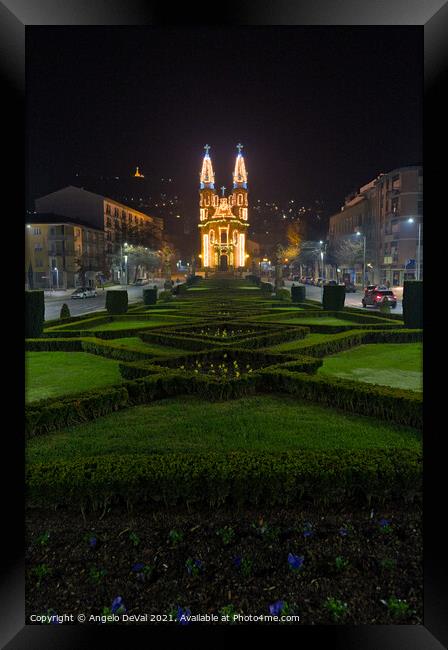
377 297
350 287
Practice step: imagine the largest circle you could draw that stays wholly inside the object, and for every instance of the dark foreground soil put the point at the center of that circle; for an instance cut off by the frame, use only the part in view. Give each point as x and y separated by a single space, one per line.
159 562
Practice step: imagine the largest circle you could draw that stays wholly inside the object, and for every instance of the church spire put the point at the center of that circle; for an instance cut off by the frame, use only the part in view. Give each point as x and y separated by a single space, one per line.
207 176
240 174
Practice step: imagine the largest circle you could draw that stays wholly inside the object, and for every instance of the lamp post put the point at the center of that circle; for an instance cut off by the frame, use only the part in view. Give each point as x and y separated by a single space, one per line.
57 276
364 257
322 253
419 238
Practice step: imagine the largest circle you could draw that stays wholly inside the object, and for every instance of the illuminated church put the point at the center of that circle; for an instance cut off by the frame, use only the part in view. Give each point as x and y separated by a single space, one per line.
223 220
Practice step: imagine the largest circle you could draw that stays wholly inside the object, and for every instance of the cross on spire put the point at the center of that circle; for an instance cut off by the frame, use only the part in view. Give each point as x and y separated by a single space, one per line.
207 147
239 146
223 189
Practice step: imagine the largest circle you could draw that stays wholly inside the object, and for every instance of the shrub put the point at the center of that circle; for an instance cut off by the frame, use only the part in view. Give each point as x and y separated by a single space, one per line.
65 311
266 288
334 297
150 296
180 289
298 293
282 294
239 477
166 296
117 301
34 313
413 303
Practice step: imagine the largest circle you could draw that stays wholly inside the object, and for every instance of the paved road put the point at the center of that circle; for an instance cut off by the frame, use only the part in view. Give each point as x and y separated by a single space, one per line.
351 299
54 303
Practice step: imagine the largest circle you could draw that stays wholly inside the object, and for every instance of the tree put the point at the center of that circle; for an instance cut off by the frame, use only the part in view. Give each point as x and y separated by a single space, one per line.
294 234
347 252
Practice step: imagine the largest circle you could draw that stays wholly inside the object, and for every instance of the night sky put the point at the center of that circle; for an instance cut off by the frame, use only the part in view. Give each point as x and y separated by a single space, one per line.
319 110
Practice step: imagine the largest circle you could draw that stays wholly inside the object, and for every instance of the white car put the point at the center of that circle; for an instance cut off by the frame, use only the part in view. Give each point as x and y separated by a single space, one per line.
84 292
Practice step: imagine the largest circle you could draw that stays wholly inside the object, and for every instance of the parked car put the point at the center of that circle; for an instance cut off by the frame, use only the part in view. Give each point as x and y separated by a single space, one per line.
331 283
309 280
350 287
319 282
377 297
84 292
140 282
296 278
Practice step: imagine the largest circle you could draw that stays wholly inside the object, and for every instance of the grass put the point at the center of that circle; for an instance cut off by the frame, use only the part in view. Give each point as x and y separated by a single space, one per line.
50 374
390 364
135 343
291 346
132 324
269 422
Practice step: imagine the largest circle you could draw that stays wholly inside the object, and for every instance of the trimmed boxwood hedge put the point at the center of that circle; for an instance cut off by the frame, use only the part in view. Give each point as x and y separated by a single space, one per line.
213 479
413 303
117 301
333 297
149 296
34 313
383 402
298 293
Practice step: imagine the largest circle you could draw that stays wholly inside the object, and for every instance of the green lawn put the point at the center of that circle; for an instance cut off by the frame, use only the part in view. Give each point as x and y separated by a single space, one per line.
135 343
133 324
50 374
291 346
269 422
390 364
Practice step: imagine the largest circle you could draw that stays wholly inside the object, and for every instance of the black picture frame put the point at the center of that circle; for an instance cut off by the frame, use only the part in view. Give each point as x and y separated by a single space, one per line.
15 16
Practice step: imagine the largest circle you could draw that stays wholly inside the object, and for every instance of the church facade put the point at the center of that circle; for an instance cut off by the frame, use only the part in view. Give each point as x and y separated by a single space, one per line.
223 220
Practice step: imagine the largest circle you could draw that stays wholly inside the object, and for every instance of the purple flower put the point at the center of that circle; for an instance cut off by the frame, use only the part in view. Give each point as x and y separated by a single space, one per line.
307 530
343 532
194 567
384 523
295 561
118 605
92 542
276 608
138 566
183 615
237 561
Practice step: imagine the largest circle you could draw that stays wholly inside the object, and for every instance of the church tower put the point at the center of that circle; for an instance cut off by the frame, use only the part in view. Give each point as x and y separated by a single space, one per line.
223 221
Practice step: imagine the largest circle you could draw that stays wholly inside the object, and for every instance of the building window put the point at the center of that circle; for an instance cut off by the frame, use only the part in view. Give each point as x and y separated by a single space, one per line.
419 207
39 263
240 199
107 208
223 234
38 247
212 236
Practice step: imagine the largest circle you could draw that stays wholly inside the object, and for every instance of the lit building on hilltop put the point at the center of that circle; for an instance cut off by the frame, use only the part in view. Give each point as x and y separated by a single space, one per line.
223 221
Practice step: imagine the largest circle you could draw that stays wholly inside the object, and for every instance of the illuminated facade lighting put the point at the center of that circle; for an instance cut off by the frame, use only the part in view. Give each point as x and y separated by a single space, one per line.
223 219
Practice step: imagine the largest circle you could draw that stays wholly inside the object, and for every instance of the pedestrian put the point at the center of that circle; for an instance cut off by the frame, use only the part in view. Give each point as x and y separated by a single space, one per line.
388 284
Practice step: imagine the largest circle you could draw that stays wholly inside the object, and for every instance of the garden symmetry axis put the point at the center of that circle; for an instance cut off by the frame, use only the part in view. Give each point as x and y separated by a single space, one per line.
223 220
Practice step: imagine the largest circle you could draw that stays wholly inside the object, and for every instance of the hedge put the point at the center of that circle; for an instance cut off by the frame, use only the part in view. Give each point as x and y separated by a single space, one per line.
211 479
34 313
117 301
266 287
87 344
346 340
283 295
333 297
383 402
413 303
149 296
298 293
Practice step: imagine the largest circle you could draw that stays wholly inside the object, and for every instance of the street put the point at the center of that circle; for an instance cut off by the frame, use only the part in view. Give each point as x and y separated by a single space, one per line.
55 300
351 299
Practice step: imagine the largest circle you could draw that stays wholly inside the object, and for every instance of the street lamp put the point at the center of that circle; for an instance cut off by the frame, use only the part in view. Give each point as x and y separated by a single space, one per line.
126 267
322 251
364 257
57 276
419 237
